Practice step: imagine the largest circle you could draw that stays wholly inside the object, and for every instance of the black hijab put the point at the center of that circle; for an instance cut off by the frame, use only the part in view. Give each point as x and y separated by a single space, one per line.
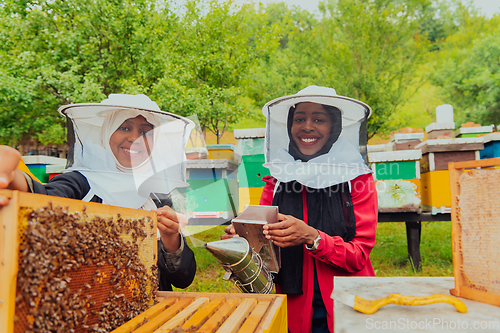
335 130
328 209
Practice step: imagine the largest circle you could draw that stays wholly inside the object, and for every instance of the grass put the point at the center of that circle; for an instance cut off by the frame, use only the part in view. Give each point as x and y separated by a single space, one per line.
389 257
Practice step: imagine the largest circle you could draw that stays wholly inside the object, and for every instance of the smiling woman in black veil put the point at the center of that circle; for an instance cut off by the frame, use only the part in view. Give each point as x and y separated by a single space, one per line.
326 198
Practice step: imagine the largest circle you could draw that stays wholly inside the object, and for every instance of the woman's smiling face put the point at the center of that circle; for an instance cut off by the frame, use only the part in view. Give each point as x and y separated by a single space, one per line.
132 142
311 127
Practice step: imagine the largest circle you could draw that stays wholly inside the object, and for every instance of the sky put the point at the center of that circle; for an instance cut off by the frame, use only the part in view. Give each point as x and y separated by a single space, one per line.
488 7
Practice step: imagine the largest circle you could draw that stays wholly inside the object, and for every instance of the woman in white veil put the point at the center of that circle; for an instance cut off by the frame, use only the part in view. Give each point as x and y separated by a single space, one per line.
123 151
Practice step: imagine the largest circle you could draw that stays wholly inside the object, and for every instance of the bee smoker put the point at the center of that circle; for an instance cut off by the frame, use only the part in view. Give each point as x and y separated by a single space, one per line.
244 266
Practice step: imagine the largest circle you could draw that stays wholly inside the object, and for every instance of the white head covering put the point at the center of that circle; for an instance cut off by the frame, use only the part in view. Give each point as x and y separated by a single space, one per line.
342 163
92 126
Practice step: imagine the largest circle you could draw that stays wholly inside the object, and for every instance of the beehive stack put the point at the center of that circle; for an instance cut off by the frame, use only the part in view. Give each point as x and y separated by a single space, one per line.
212 312
476 229
74 266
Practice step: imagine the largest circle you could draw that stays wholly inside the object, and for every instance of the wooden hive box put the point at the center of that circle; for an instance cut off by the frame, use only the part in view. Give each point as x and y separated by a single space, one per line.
476 229
491 146
434 174
73 265
212 312
397 177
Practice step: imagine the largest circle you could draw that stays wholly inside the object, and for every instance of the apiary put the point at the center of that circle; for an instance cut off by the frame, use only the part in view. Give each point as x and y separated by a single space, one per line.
212 312
397 178
476 229
73 266
434 174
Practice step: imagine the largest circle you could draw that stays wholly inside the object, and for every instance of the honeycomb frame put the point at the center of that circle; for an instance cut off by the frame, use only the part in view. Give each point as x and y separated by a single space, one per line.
14 222
476 229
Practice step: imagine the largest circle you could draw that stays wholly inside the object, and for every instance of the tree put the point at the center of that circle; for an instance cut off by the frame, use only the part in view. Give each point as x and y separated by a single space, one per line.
216 46
56 52
291 67
370 51
468 70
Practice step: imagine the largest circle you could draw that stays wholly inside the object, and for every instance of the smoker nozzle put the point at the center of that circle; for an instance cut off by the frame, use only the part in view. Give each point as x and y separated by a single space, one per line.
245 266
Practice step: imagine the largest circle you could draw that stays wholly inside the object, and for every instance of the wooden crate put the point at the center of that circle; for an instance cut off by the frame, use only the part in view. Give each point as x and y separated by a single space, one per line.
212 312
73 264
476 229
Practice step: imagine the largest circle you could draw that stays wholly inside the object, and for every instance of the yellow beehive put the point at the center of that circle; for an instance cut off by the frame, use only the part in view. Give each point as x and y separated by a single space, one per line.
436 189
212 312
73 265
249 196
476 229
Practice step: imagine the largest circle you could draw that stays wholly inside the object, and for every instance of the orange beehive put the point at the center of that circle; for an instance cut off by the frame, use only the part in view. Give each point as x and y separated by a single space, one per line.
211 312
475 194
68 265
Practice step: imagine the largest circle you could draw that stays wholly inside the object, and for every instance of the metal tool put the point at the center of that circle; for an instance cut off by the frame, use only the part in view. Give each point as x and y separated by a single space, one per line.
243 266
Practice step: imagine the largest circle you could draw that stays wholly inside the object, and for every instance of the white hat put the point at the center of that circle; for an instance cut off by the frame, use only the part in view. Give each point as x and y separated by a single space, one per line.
342 163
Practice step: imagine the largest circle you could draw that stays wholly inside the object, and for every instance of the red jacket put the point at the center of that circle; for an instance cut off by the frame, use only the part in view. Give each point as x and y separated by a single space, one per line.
334 257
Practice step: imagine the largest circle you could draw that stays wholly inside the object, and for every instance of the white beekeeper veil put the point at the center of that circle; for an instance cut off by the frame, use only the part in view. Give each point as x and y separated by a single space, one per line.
90 127
340 163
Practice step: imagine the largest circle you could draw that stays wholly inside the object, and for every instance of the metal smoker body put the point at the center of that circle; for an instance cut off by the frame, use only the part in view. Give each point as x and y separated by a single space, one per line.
244 266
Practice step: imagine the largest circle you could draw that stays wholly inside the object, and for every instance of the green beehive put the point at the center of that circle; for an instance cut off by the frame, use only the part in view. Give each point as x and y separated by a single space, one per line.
251 171
213 188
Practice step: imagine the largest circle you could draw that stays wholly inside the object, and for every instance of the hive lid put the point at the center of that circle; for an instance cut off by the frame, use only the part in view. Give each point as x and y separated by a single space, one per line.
478 129
491 137
249 133
220 147
211 164
440 126
393 156
407 136
41 159
441 142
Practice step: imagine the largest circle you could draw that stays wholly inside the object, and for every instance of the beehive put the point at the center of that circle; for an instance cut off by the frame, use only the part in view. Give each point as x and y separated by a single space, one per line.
397 177
68 265
213 189
491 146
434 174
212 312
476 229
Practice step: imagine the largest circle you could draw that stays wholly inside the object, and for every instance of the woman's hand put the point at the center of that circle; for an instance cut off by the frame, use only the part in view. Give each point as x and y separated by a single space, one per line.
229 232
290 232
168 225
10 176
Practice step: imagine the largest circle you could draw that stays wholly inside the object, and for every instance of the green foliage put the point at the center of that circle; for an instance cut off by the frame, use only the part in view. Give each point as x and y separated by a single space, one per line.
58 52
223 62
209 58
468 71
371 51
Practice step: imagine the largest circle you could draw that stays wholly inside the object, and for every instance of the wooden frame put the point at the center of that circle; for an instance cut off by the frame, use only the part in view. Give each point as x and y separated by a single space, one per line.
211 312
461 289
9 239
